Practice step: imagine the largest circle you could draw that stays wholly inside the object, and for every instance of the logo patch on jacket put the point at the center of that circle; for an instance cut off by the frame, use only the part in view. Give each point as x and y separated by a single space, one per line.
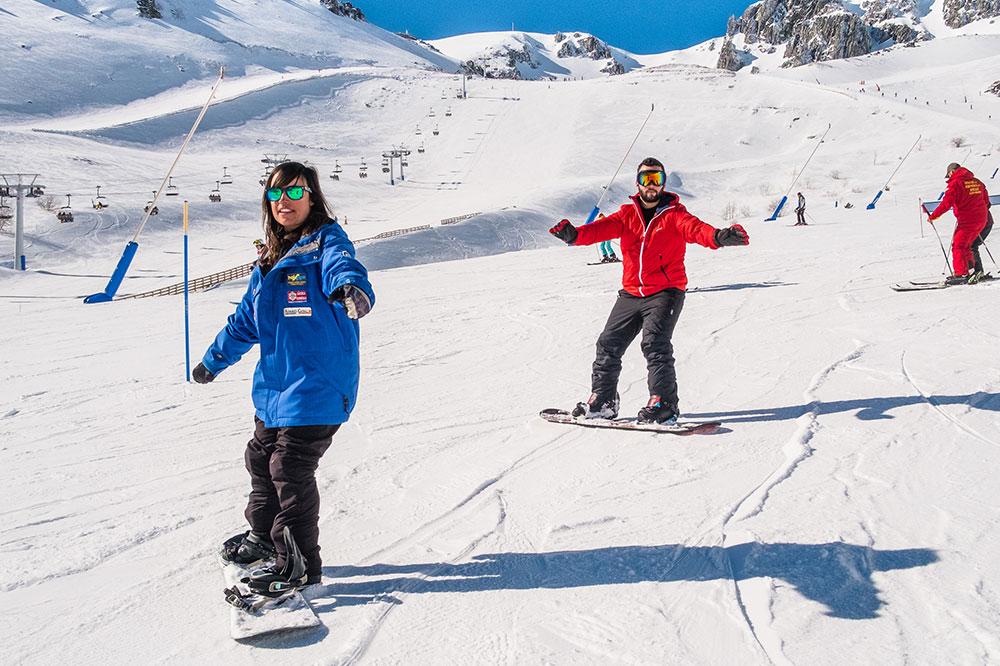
298 312
298 296
296 279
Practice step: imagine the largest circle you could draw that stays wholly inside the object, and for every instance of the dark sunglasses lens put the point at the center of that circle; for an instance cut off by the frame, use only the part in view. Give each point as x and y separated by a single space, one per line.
294 193
273 193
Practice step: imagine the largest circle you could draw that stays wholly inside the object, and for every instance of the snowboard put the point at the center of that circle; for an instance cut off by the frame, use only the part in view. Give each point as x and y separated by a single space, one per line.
252 614
681 428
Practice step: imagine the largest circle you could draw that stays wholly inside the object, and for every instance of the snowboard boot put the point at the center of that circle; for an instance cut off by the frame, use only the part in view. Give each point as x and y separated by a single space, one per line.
595 408
656 411
274 581
247 548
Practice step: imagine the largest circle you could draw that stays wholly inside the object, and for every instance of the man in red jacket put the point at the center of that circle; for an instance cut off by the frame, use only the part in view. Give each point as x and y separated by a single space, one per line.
967 197
654 229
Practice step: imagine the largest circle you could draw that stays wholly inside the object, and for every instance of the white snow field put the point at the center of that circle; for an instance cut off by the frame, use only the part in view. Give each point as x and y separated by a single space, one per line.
847 512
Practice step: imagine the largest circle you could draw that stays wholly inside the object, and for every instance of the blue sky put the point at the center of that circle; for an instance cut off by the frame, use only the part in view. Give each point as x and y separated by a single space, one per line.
642 26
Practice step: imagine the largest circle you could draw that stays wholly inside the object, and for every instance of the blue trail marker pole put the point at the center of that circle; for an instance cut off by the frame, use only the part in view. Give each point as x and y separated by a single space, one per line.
187 325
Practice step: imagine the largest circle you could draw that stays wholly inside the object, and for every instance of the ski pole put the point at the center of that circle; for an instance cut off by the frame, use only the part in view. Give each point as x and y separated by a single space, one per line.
986 247
947 266
597 208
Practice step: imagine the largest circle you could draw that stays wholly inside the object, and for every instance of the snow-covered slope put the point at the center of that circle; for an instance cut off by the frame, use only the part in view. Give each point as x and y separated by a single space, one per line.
846 513
64 56
534 56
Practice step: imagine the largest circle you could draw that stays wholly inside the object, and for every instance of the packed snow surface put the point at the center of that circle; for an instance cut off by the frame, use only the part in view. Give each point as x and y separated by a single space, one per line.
845 513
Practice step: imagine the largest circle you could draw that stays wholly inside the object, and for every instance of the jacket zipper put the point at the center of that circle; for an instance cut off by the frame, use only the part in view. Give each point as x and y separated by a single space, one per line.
642 245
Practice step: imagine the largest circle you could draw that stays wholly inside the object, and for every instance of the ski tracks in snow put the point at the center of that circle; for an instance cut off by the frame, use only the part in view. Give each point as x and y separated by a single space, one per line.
754 596
478 500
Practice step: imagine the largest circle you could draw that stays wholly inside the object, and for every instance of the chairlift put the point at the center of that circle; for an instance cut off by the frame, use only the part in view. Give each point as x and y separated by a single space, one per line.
172 190
150 208
448 113
6 212
215 196
226 178
420 148
436 131
431 114
100 201
336 170
418 130
363 169
65 213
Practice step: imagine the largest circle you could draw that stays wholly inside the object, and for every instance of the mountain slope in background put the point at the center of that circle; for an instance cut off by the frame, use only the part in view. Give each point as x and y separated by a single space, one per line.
535 56
806 31
101 52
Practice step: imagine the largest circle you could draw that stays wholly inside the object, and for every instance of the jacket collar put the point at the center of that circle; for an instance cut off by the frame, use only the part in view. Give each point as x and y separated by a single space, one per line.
667 200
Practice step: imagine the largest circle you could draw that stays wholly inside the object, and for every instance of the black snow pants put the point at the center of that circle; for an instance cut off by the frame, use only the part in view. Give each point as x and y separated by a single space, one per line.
282 463
979 241
656 316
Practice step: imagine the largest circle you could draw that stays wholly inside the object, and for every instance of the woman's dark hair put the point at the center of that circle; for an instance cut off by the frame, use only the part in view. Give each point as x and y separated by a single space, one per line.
651 162
276 239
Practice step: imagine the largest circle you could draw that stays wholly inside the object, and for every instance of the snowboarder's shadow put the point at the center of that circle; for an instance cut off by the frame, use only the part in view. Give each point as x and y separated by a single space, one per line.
837 575
868 409
740 285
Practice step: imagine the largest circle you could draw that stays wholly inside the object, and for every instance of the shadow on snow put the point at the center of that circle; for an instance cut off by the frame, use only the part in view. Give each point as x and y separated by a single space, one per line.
868 409
836 575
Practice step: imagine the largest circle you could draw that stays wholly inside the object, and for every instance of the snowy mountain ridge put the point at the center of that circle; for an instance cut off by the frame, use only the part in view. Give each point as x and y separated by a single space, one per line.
813 31
101 52
533 56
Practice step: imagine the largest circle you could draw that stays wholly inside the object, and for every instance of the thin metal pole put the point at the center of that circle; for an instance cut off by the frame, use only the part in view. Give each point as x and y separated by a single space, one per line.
947 265
187 322
597 208
187 139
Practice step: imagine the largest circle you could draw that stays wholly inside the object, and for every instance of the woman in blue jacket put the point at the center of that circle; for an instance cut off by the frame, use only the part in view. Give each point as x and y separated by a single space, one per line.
302 307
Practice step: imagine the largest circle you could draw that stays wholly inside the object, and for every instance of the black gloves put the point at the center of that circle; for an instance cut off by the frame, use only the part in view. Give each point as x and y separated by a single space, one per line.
201 374
354 300
564 231
731 236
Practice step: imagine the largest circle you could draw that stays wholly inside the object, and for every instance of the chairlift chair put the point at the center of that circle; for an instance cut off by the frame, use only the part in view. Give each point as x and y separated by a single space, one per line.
100 201
6 212
418 130
215 196
172 190
226 178
448 112
420 148
436 131
65 213
431 114
363 169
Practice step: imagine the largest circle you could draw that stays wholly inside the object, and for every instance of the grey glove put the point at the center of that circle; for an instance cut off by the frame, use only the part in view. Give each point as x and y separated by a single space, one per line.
354 300
201 374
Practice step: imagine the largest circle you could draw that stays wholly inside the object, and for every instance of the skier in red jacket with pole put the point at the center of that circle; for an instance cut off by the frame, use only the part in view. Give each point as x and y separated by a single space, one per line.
654 228
967 197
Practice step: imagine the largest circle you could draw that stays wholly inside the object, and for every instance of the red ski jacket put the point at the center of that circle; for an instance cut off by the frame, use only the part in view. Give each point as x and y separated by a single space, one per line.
967 196
653 256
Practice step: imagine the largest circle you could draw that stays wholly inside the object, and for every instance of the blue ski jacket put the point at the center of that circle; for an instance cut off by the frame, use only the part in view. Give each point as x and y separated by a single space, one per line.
308 370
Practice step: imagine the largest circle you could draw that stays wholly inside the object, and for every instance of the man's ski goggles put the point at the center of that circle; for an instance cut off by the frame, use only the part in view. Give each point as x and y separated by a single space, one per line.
293 192
651 178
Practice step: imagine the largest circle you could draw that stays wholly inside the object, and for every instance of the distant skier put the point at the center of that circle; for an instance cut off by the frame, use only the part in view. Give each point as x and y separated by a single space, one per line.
966 196
654 228
608 255
301 306
800 212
